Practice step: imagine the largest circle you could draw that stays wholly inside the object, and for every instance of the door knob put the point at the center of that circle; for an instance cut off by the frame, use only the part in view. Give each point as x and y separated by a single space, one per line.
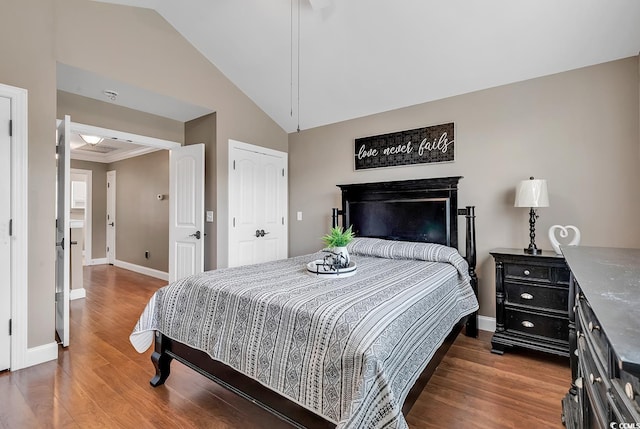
112 224
196 235
61 243
260 233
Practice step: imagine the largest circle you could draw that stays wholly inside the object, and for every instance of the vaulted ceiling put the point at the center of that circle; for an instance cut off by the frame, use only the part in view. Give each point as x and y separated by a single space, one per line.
308 63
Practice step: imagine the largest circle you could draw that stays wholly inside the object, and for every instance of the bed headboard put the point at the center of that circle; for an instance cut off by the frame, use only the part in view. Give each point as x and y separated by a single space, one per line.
408 210
411 210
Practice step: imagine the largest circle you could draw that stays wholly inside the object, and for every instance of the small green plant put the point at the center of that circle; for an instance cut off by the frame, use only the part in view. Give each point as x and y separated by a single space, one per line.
338 237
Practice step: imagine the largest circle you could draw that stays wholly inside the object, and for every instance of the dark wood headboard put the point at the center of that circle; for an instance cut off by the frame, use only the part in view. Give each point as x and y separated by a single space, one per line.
411 210
408 210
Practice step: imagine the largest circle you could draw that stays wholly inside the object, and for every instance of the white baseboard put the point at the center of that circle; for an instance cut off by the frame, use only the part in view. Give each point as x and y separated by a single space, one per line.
142 270
487 323
99 261
77 293
41 354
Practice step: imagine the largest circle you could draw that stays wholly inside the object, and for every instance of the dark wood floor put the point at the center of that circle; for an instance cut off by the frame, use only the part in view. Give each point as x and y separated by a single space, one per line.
100 381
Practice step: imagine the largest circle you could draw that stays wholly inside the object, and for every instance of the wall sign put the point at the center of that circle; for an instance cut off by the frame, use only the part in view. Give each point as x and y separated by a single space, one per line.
419 146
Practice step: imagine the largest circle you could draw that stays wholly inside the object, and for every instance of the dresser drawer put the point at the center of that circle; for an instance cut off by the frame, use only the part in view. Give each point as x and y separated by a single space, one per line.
630 386
554 298
624 409
530 323
594 381
589 326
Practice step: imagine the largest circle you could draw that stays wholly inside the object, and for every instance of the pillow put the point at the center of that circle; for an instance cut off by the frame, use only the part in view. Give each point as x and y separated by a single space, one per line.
390 249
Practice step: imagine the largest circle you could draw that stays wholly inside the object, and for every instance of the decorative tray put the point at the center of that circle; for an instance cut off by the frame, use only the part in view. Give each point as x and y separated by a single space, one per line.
322 269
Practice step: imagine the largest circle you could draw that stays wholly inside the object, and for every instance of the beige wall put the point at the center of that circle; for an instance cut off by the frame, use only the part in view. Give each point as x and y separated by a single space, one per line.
142 50
147 52
98 113
578 130
27 52
142 221
98 205
203 130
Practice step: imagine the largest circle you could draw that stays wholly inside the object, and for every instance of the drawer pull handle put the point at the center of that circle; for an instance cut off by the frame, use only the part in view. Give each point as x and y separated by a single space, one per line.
526 296
592 327
594 379
527 324
527 272
628 389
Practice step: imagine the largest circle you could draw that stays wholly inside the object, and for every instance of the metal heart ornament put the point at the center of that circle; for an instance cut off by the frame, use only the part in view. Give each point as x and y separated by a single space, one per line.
564 233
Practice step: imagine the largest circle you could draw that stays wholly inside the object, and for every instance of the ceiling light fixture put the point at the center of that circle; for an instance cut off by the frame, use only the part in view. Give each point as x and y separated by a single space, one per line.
92 140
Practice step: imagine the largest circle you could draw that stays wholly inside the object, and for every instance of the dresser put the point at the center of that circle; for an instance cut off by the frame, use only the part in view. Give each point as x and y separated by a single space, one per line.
604 336
532 294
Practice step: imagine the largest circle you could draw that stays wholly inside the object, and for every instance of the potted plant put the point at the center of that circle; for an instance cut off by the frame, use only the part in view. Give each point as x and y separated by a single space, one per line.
336 242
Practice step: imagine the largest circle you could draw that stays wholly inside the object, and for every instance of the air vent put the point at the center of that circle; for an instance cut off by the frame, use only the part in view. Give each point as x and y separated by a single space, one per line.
99 148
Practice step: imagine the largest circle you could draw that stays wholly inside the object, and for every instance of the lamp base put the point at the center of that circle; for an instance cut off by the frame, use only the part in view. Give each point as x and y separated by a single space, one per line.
532 250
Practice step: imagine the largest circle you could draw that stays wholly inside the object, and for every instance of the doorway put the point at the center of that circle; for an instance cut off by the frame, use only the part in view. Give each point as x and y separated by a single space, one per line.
5 233
111 217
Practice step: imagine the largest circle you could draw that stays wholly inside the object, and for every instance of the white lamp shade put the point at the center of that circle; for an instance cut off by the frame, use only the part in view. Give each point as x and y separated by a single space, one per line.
532 193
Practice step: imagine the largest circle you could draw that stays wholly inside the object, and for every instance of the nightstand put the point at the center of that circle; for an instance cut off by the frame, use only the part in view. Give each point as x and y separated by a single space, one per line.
532 295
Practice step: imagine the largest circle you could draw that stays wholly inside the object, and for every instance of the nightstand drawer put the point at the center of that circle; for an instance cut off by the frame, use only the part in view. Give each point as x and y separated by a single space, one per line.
528 272
554 298
537 324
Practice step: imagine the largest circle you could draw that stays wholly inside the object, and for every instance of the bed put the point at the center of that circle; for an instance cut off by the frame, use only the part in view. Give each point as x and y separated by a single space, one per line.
339 352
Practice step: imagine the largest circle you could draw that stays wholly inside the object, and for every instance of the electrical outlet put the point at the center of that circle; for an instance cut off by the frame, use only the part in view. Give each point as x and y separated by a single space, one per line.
146 254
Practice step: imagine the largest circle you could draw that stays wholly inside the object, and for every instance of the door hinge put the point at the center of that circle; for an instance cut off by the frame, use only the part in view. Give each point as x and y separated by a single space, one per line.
283 172
11 227
234 222
283 220
107 249
234 164
10 327
10 127
57 149
108 184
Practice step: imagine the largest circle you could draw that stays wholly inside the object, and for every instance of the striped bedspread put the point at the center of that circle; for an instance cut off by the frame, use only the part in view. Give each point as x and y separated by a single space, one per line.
348 349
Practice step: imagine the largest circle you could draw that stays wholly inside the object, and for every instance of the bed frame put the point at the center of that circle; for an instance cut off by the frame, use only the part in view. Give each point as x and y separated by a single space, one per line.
405 210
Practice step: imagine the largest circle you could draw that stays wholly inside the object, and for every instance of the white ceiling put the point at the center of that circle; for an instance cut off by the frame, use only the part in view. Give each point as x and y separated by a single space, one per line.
359 57
107 151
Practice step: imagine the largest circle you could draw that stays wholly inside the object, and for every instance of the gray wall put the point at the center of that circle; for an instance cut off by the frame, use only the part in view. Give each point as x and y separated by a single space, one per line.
579 130
142 221
203 130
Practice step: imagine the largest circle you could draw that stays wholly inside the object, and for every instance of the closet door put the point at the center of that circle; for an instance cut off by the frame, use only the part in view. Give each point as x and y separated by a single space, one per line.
5 240
257 204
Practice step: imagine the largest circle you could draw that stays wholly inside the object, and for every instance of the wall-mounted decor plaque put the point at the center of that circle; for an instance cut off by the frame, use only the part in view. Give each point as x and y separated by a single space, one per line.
419 146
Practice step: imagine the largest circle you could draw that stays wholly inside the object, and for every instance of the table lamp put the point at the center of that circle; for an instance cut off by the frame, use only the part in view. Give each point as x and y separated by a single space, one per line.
532 193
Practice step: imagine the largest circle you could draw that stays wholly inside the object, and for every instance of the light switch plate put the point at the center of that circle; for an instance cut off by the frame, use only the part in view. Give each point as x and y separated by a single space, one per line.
209 216
299 215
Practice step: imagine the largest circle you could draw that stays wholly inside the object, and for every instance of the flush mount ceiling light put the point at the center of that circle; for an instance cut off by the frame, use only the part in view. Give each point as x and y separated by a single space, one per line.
92 140
110 94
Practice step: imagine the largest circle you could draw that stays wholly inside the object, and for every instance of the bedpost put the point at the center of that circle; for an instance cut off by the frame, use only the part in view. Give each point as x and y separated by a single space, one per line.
161 361
334 216
471 329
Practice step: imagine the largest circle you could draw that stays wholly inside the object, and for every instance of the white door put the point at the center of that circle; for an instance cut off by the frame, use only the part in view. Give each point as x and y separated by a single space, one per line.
186 211
62 233
257 204
111 217
5 240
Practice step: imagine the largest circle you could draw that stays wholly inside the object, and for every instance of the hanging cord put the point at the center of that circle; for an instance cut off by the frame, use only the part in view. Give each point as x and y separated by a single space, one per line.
291 60
298 65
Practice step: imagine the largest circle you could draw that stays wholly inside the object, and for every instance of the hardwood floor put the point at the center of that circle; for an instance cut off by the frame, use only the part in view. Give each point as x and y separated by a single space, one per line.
100 381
